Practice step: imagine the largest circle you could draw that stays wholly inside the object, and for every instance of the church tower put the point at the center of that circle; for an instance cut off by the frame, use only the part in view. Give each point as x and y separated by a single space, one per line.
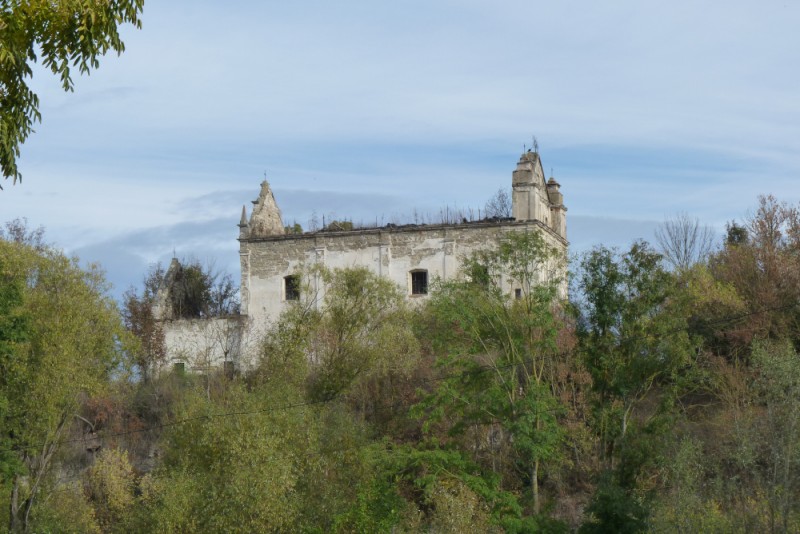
265 221
534 199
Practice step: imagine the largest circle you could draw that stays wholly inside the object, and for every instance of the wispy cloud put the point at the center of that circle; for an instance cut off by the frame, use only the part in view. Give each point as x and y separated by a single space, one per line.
362 111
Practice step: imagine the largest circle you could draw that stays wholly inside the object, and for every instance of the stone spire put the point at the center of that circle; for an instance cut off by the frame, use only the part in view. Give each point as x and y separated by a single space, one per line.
244 227
266 217
162 308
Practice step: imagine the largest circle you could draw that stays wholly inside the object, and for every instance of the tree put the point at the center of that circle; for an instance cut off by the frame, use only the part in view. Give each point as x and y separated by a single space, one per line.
110 486
60 337
194 291
499 205
776 434
293 228
735 234
138 313
358 332
18 232
632 331
66 34
761 260
683 242
337 226
504 344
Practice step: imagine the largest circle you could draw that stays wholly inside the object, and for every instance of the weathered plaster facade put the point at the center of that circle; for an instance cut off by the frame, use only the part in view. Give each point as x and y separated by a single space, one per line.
270 257
412 256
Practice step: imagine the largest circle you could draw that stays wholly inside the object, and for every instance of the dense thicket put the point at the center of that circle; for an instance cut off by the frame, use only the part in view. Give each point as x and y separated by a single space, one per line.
654 399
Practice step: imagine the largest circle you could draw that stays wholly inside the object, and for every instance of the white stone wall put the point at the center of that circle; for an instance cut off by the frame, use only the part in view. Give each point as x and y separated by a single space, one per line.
203 344
389 252
268 256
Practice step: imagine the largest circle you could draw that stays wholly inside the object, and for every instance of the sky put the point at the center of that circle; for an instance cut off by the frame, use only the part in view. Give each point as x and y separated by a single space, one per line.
371 110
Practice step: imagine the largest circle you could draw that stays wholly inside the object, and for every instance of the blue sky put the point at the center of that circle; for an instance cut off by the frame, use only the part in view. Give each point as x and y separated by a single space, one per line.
369 110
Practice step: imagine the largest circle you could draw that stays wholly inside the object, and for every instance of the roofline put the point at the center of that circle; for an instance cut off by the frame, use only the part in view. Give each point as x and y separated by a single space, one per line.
407 228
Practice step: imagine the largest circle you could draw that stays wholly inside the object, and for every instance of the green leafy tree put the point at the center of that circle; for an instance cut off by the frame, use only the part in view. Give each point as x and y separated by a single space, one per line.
248 462
110 485
685 506
15 331
64 35
496 330
192 290
773 454
294 228
338 226
353 329
61 338
225 473
634 334
65 510
632 330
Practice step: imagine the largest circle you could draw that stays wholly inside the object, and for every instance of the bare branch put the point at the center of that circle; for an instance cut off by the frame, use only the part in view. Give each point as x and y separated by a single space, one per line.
683 241
499 205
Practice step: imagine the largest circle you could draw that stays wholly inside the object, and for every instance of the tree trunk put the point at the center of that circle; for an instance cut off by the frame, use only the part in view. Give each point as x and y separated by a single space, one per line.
535 486
13 509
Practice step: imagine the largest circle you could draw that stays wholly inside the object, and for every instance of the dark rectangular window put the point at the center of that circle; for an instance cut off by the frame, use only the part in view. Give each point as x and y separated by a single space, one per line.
291 287
179 367
518 293
419 282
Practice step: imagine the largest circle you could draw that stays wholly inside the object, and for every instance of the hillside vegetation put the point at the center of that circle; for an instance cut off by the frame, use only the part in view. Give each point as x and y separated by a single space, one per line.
655 399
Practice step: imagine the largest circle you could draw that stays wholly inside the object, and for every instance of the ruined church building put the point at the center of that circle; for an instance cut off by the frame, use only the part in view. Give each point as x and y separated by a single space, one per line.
409 255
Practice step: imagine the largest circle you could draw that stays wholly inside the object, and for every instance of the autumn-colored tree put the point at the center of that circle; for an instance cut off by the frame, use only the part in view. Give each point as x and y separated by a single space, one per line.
762 263
138 312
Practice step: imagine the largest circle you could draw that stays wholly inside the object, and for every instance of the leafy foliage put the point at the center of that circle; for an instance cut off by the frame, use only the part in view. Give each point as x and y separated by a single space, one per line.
654 401
197 291
633 331
358 333
65 35
61 338
138 313
500 353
